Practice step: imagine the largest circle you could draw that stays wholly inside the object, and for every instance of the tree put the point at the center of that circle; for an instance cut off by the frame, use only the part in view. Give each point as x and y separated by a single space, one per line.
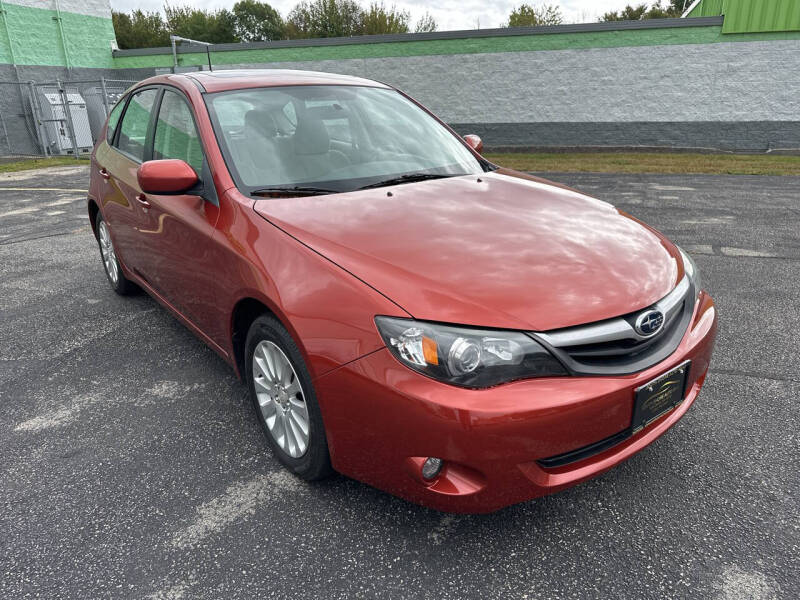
679 6
639 12
324 18
253 20
526 15
426 24
257 21
629 13
674 8
139 29
377 19
218 27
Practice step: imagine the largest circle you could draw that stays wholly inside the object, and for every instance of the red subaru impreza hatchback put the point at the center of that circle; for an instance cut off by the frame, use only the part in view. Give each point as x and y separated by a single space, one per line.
402 310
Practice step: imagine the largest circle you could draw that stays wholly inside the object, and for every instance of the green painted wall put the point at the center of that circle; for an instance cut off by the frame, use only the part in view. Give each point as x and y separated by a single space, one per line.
31 36
707 8
764 15
752 16
556 41
35 38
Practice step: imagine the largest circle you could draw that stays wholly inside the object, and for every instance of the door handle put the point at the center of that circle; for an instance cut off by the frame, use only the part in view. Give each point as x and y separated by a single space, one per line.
143 200
105 174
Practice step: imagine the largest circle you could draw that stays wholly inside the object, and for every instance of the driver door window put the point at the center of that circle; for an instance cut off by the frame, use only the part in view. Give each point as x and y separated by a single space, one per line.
135 121
176 135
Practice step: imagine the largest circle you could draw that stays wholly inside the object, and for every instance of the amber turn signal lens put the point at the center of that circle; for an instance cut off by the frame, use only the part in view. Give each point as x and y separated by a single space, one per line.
430 351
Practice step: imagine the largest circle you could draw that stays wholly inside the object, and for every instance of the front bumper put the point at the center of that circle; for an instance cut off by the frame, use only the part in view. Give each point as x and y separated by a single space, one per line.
382 419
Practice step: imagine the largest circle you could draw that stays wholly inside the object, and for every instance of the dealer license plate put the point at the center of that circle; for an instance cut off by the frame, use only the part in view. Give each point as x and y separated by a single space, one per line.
659 396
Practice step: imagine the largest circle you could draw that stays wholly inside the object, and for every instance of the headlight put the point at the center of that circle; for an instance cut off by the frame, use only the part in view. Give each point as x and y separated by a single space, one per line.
691 270
476 358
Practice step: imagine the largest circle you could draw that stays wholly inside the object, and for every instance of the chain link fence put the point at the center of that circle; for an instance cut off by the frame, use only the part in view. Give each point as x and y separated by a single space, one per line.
55 118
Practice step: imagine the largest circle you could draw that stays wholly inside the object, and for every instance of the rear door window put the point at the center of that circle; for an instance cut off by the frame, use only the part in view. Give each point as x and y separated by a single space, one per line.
135 122
176 135
113 120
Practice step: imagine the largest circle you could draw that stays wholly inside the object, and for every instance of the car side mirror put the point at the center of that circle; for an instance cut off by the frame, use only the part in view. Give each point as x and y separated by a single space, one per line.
474 142
169 176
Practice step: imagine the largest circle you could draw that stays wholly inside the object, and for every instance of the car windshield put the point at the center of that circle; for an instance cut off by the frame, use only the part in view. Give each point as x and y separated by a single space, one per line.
321 139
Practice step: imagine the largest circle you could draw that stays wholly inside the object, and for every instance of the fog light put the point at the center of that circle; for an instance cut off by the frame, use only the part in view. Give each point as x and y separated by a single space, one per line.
431 467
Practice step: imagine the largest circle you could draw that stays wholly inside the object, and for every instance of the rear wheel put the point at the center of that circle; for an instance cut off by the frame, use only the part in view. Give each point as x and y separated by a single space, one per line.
284 400
119 283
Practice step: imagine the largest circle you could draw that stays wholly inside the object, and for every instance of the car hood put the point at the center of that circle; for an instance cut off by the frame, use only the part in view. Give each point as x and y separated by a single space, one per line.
492 250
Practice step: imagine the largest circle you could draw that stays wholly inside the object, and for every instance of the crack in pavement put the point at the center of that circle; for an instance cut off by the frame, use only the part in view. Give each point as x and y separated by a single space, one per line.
37 189
754 375
41 237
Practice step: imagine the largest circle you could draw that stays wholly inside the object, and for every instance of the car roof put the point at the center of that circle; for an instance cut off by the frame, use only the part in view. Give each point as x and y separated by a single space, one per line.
218 81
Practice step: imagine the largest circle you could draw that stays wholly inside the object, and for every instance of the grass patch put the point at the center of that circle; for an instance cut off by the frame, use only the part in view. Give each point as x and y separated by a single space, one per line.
39 163
609 162
571 162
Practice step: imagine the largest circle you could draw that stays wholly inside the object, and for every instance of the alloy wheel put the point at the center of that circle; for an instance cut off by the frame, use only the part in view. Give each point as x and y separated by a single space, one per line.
107 252
281 399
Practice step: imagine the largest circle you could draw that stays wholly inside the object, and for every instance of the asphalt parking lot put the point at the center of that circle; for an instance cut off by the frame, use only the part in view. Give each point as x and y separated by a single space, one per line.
132 466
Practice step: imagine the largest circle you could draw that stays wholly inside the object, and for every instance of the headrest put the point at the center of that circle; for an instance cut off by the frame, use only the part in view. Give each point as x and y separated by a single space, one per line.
261 122
311 137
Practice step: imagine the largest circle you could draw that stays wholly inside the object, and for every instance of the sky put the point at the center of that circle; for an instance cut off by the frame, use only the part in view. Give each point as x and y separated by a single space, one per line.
449 14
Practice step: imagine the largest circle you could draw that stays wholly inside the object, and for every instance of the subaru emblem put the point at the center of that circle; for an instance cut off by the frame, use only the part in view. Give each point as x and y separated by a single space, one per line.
649 322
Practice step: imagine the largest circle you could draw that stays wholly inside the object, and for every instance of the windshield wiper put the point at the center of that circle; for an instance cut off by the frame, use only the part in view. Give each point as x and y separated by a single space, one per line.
407 178
293 190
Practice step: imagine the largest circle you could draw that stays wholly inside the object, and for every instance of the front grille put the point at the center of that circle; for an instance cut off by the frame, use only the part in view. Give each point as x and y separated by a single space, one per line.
614 347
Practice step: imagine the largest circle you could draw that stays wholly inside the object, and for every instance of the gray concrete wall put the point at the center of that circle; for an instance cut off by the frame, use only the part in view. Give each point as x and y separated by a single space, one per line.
737 96
730 96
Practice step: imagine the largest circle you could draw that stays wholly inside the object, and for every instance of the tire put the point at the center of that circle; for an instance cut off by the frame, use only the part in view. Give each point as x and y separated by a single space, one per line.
284 400
119 283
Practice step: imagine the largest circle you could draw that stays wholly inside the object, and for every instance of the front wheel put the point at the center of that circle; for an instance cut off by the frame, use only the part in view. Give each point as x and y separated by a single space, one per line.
284 400
119 283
